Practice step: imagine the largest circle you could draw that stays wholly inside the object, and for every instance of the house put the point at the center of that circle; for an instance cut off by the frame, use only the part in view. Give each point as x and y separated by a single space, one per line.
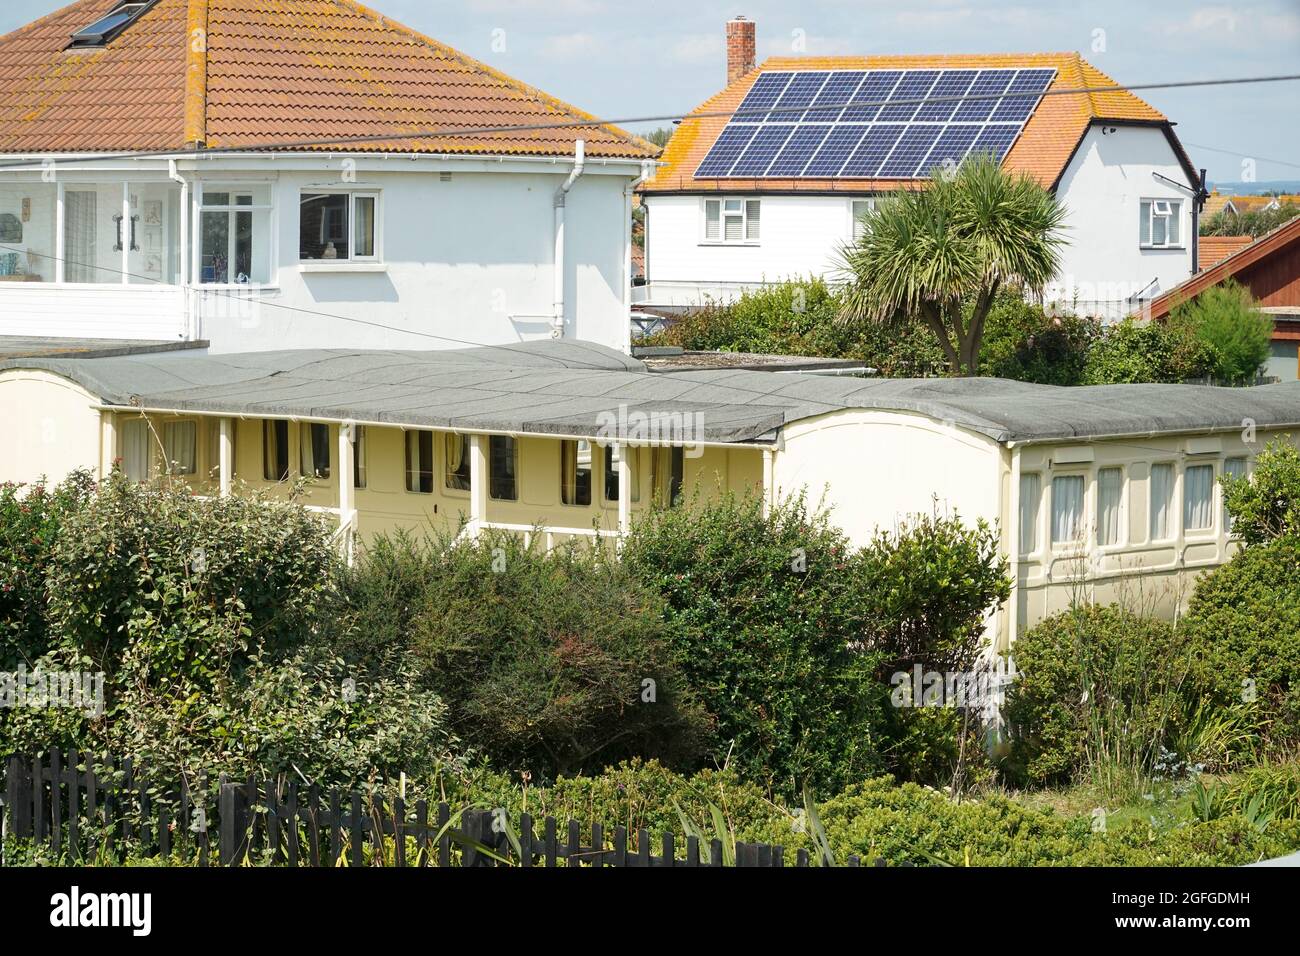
775 190
1214 249
1108 490
272 174
1270 268
1236 205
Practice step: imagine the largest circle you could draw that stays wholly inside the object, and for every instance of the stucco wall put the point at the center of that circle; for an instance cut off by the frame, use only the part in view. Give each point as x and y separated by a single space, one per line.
48 427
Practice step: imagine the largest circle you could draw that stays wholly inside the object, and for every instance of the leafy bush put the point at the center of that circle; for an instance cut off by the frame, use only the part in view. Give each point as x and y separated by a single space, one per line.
30 520
1255 222
802 318
549 663
1024 343
1266 505
1133 351
1226 318
1100 692
153 586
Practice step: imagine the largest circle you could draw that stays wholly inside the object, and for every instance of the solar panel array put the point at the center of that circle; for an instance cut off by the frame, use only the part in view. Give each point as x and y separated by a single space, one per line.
794 124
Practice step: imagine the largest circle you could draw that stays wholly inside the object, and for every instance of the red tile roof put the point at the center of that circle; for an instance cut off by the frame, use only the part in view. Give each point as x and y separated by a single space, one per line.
1214 249
248 73
1043 150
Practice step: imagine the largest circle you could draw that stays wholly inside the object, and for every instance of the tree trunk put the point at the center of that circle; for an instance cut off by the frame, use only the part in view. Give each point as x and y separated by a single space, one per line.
930 312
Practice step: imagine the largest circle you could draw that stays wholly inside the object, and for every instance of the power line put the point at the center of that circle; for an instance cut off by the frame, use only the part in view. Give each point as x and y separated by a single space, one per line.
398 136
1242 154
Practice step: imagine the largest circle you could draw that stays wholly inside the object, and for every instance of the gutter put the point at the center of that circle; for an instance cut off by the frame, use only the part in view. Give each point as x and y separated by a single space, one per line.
185 238
561 198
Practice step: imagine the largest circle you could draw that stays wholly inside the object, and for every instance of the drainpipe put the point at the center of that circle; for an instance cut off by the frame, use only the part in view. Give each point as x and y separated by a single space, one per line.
561 196
183 264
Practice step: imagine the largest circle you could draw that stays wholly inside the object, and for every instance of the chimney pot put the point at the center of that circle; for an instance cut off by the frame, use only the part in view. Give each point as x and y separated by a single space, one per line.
740 48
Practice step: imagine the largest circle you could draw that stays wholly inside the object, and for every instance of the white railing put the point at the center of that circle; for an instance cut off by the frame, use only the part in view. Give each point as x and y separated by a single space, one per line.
548 535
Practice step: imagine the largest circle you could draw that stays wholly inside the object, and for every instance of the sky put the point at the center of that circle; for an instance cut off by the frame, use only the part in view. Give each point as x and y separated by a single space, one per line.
617 59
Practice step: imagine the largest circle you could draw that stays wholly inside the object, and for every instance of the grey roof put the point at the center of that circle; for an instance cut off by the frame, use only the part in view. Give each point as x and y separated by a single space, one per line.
566 387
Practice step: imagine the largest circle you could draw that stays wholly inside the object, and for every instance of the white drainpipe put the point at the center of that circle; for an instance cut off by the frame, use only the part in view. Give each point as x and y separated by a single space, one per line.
561 196
175 176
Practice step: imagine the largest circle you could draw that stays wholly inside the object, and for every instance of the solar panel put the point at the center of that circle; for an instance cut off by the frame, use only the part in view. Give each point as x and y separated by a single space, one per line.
902 124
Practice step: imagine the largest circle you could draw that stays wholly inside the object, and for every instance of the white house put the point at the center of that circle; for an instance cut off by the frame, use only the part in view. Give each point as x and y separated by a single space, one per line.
1105 492
775 190
259 175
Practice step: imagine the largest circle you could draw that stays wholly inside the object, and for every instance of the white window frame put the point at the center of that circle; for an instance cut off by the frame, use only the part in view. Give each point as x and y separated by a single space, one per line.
855 217
1036 526
1080 539
352 260
1224 517
1175 518
1212 529
1121 541
196 245
1149 211
723 215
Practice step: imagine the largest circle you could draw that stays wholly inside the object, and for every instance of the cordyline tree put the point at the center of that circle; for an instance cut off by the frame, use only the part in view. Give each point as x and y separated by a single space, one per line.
940 254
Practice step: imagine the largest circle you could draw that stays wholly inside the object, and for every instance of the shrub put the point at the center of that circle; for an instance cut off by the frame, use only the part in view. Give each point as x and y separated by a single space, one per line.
1227 319
1100 692
1024 343
1255 222
549 663
1133 351
30 520
762 612
1266 505
153 586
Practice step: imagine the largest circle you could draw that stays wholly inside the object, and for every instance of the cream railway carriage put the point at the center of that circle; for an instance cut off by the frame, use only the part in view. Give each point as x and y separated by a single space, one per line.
1111 491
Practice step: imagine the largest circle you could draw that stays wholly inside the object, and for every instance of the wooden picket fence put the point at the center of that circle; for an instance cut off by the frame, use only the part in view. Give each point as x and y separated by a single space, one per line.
89 809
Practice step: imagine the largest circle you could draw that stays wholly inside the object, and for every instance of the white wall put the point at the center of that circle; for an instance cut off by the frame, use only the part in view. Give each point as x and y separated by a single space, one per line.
466 262
1101 189
49 427
800 236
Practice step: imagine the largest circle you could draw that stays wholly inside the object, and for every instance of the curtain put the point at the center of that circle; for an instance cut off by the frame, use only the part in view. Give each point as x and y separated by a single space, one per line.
314 442
502 480
569 472
178 444
419 462
1162 500
1198 497
457 450
214 448
1237 468
80 222
1110 497
275 450
135 449
1067 508
661 466
1031 487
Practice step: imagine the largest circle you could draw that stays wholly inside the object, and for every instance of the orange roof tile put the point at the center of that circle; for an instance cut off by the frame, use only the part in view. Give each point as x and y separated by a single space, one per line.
271 71
1043 149
1214 249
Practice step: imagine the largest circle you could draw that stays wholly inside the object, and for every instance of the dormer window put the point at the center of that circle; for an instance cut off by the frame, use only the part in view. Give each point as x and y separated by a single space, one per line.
111 24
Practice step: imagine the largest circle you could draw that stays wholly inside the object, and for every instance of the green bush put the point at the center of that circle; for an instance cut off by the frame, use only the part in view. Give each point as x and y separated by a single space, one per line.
30 520
1255 222
1226 318
547 662
1024 343
1134 351
152 585
1266 505
1100 693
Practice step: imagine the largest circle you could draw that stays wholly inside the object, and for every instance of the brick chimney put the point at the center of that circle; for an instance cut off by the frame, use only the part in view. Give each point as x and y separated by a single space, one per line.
740 48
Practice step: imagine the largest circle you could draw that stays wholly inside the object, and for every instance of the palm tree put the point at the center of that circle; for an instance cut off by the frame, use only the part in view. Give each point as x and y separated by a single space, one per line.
940 254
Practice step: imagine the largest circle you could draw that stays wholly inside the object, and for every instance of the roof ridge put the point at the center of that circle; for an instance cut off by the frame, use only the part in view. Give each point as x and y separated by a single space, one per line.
517 85
196 74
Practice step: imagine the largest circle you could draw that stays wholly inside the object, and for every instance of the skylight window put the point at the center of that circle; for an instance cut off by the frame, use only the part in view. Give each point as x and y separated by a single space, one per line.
107 27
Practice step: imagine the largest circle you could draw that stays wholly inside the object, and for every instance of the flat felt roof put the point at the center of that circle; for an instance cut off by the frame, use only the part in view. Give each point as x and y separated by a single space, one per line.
572 388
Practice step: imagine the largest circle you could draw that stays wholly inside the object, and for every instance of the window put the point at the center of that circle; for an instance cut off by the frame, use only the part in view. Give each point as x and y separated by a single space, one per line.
214 447
178 446
337 226
1198 498
666 467
419 462
1067 509
235 235
1160 225
1236 467
731 220
1030 495
1110 502
314 445
503 468
611 472
859 208
1162 501
135 449
457 451
575 472
358 456
111 24
275 450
